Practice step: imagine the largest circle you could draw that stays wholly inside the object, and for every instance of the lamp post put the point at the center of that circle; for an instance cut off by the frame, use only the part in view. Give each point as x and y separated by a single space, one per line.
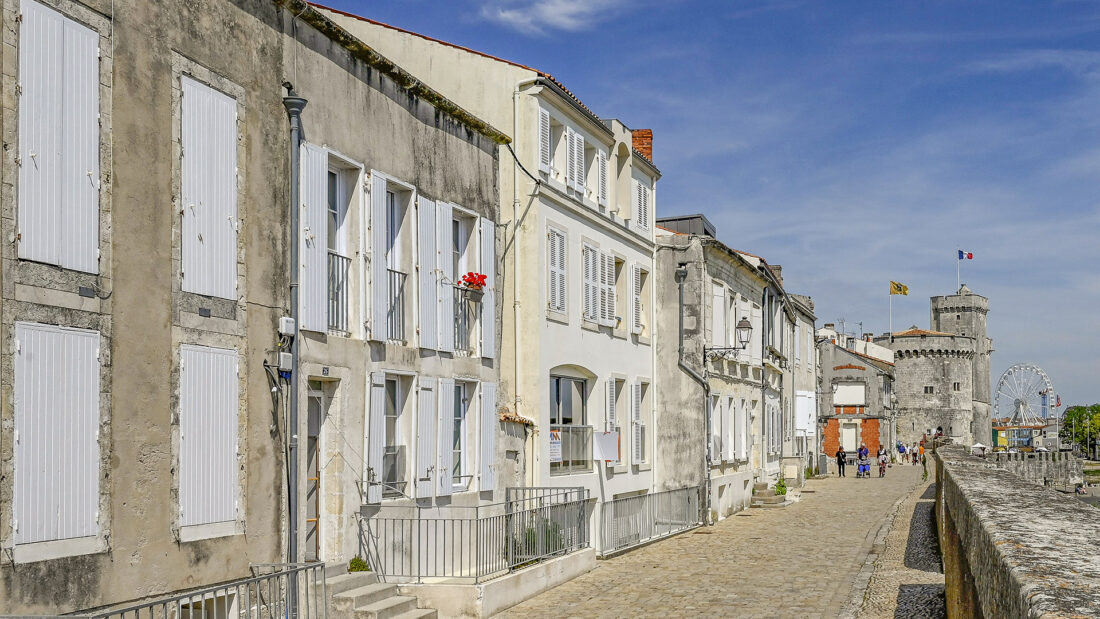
744 334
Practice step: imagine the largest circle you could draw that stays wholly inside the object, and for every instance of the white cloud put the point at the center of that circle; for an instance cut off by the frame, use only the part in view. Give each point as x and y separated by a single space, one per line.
539 16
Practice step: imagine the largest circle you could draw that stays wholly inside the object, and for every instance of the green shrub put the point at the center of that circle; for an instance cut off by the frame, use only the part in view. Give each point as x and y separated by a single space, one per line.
357 564
781 487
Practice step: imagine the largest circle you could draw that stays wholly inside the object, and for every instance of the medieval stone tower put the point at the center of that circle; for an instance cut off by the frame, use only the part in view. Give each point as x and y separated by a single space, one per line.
942 377
964 313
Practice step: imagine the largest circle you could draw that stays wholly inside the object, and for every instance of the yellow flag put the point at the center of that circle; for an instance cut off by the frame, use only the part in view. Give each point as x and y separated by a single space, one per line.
898 288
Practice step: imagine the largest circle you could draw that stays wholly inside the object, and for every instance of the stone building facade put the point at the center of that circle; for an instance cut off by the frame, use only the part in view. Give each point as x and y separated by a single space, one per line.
856 399
943 373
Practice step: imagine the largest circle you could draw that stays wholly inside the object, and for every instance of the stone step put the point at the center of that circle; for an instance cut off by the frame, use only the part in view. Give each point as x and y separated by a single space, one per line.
759 487
349 581
418 613
772 498
387 608
353 599
769 505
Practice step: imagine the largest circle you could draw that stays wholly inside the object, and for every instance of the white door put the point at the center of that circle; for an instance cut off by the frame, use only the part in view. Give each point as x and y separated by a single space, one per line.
848 433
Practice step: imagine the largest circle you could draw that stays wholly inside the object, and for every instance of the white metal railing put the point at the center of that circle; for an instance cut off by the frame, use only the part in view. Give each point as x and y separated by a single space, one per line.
471 544
338 267
395 311
636 520
272 592
467 306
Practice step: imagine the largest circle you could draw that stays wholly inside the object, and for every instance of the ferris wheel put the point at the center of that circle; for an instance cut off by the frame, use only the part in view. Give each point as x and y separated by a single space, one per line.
1025 395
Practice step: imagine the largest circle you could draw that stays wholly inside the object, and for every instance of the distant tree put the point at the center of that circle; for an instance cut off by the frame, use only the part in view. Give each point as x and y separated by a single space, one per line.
1081 425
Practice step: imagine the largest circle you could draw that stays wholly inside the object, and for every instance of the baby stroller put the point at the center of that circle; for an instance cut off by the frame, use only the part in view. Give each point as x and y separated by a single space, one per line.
882 465
864 467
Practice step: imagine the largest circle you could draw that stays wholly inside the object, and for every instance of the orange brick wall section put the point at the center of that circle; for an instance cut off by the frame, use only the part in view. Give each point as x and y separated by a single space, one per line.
832 437
869 434
643 142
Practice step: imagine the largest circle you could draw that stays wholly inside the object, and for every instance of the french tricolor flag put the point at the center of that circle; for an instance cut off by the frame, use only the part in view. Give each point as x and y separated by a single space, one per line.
965 255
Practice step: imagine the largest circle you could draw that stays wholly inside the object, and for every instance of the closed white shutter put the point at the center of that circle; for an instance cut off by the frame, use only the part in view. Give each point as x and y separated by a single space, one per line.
639 426
729 431
712 417
488 302
718 316
56 494
636 299
571 157
591 265
376 436
59 180
378 266
313 293
425 437
446 436
611 382
601 159
545 152
445 262
428 274
209 191
208 435
490 423
643 220
756 337
556 274
580 179
607 290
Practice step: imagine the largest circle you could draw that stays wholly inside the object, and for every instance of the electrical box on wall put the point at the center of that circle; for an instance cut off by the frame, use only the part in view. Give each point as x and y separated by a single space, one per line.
286 362
286 326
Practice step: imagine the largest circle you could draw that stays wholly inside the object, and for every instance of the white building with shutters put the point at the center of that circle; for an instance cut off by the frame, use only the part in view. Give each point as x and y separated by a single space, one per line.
578 201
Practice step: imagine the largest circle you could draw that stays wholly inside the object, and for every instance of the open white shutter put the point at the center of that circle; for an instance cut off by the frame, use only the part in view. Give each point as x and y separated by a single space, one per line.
80 242
379 281
636 299
488 302
601 159
425 437
313 293
428 274
446 400
591 264
209 407
728 429
556 274
718 316
639 429
56 439
490 423
445 262
545 153
580 179
609 285
376 436
59 176
571 163
611 405
643 218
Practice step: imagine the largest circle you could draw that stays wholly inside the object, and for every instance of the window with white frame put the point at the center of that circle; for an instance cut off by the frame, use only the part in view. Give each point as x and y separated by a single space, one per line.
639 295
59 136
640 406
615 388
714 411
556 269
459 470
569 426
600 273
393 458
56 433
208 413
328 191
392 257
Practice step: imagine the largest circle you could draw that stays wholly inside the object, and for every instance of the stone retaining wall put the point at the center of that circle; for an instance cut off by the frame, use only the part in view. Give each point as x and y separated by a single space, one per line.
1043 468
1013 549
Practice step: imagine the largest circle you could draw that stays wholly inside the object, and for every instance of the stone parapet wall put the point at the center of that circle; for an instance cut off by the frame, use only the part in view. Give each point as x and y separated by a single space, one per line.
1013 549
1043 468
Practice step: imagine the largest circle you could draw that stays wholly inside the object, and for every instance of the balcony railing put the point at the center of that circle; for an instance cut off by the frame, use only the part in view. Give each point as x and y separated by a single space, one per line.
395 312
635 520
338 267
576 449
467 307
475 543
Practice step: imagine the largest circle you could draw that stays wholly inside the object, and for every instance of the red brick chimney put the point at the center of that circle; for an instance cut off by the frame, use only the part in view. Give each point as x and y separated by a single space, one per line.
643 142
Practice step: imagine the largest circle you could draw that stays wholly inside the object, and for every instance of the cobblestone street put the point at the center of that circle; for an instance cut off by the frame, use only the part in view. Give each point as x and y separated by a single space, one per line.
799 561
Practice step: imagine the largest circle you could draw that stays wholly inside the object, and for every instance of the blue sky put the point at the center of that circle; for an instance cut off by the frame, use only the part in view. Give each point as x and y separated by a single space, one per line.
854 142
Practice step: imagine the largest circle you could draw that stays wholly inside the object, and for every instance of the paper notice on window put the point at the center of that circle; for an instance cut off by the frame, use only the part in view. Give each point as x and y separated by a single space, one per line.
606 445
555 445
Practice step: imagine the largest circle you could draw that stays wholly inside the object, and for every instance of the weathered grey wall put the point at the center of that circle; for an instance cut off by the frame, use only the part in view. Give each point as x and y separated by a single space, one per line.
1013 549
965 314
1043 468
938 361
680 414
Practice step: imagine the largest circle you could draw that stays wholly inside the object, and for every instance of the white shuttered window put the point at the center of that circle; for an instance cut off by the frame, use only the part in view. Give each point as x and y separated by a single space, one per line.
638 420
490 422
641 205
580 175
590 258
607 289
636 320
208 435
313 246
56 433
58 193
428 273
425 437
601 159
488 302
555 241
545 148
209 191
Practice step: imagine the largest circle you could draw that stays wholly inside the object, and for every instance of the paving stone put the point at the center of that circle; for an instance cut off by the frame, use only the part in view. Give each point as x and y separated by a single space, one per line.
798 561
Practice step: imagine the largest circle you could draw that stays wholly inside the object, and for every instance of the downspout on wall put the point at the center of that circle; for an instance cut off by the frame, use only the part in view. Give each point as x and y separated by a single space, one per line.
681 275
294 106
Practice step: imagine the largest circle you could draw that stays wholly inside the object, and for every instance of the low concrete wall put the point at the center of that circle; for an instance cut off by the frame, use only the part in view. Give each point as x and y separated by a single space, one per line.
1043 468
1013 549
489 598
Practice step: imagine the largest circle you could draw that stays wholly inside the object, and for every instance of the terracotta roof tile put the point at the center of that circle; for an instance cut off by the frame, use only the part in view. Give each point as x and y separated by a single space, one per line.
912 332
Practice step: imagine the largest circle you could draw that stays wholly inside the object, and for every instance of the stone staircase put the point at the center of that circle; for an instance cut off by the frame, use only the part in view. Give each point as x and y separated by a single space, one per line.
359 595
763 496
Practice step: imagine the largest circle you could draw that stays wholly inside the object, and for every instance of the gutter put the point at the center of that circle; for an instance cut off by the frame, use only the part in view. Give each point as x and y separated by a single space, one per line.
548 83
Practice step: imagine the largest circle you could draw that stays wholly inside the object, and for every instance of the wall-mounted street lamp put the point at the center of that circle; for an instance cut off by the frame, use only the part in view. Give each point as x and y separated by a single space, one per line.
743 331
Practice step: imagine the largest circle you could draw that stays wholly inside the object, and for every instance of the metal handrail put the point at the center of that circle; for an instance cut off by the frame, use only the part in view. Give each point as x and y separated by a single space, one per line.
395 311
635 520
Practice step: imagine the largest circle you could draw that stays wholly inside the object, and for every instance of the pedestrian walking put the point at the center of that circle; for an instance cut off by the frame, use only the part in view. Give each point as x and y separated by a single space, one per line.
902 453
913 454
841 460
